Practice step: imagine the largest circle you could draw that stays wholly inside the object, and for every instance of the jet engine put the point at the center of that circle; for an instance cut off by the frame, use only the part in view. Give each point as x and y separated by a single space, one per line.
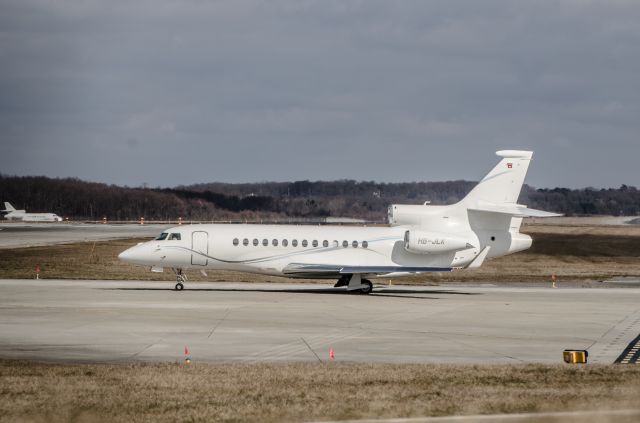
403 214
419 242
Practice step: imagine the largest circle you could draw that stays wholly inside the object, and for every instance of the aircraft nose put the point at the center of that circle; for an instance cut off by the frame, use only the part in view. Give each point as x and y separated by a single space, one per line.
125 255
129 255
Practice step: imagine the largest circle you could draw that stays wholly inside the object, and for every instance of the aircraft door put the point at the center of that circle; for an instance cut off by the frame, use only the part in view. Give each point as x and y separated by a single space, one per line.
199 244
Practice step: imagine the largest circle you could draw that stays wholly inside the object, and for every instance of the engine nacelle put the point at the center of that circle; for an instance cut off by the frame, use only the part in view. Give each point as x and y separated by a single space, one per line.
419 242
409 214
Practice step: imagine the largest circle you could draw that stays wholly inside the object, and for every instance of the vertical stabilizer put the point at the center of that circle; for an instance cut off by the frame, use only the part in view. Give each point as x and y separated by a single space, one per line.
504 182
8 207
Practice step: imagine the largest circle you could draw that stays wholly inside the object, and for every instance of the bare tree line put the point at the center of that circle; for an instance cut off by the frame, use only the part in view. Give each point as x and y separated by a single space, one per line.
368 200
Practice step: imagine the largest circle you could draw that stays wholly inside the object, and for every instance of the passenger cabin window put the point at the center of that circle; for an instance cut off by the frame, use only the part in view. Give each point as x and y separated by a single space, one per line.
285 242
236 241
325 243
162 236
245 242
265 242
354 244
274 242
294 243
345 243
255 242
315 243
335 243
304 243
174 237
365 244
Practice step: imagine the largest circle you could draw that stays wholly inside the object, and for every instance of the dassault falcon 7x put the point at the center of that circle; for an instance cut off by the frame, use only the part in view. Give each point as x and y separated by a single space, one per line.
420 238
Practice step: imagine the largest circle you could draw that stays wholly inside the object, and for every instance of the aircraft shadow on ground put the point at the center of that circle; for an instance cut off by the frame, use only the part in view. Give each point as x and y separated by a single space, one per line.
379 292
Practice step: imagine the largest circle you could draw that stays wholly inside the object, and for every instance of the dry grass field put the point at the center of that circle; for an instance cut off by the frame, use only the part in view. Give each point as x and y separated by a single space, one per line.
33 392
573 253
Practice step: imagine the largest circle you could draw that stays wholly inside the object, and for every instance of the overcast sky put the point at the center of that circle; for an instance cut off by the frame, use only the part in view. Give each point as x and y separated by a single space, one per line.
178 92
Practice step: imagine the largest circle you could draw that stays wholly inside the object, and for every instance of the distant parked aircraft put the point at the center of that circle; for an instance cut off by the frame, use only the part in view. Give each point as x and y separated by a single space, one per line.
420 238
22 215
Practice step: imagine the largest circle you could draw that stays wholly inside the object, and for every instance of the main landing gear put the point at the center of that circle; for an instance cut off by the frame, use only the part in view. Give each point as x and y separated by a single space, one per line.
367 286
355 283
180 279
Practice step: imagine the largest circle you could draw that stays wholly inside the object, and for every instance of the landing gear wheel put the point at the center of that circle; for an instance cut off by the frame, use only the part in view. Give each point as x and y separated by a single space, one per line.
180 279
367 288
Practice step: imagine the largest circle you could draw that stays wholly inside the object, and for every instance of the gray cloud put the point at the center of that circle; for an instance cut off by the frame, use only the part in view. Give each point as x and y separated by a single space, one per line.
172 93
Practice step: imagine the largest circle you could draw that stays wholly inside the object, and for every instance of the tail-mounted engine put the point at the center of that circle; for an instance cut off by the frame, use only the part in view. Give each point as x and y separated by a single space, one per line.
403 214
419 242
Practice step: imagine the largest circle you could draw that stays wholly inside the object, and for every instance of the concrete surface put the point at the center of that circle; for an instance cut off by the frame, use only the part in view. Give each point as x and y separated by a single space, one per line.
587 416
148 321
16 235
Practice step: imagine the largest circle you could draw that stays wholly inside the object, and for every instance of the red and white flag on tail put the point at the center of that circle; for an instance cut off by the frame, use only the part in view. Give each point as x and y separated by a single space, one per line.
510 165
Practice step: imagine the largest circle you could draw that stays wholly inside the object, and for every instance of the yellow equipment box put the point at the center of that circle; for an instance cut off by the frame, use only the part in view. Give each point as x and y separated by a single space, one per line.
575 356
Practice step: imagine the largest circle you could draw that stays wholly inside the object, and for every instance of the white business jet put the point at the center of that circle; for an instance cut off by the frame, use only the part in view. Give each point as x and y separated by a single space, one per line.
420 238
13 214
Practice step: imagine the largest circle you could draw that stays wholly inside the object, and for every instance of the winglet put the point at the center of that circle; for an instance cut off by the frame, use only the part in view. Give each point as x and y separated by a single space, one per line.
477 262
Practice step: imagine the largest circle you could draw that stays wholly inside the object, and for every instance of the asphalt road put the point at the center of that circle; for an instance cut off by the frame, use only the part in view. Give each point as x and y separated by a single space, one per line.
115 321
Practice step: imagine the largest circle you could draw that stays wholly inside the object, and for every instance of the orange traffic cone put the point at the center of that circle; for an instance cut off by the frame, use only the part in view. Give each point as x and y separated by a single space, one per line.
187 359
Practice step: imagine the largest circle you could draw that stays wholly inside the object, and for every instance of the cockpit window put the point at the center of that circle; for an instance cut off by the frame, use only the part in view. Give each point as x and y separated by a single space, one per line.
162 236
175 237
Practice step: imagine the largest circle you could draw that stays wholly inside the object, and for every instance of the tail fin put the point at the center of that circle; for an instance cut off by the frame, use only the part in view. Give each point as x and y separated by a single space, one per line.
8 207
504 182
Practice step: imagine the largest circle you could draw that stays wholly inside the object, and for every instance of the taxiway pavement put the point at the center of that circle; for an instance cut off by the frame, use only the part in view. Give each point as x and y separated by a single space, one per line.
124 321
17 235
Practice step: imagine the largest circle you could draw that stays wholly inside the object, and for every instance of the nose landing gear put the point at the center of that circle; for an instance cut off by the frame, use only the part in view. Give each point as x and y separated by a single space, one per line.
180 279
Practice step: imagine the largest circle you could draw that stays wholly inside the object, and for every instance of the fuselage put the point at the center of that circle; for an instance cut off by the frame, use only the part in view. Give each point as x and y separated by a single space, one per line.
33 217
277 249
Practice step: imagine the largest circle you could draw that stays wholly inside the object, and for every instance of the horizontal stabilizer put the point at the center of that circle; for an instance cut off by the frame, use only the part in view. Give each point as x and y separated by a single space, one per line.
515 210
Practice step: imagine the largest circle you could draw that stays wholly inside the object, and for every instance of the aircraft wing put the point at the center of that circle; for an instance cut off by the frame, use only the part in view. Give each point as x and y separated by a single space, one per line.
328 271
